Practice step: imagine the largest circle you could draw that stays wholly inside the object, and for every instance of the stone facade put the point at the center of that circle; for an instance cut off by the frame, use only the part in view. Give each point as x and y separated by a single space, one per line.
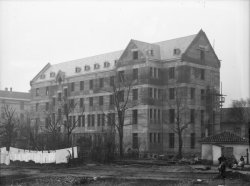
158 71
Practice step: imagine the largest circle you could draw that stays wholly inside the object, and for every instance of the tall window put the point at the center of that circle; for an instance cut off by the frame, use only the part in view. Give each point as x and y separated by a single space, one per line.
192 116
72 86
192 93
202 94
103 119
91 101
53 101
112 81
101 100
101 82
37 91
192 142
135 141
121 95
83 121
159 137
72 103
135 73
150 137
171 115
98 119
135 94
134 116
91 84
171 93
151 72
202 55
121 76
172 73
151 114
151 92
47 91
202 117
59 96
93 120
111 99
65 92
37 105
135 55
46 106
79 121
202 74
171 140
89 120
81 102
81 85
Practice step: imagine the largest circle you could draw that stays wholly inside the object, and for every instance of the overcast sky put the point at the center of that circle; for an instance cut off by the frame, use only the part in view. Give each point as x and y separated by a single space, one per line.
35 33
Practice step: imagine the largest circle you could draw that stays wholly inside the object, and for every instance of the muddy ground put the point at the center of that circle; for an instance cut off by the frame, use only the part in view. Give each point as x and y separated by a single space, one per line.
114 174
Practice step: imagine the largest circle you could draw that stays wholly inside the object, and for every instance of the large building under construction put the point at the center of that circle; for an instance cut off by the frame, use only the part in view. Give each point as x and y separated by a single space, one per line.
175 88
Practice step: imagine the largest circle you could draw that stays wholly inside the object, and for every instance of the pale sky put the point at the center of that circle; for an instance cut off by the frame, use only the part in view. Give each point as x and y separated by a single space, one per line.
33 33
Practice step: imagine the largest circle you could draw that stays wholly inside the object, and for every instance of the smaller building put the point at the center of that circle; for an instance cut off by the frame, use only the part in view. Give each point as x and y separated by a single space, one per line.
226 143
18 101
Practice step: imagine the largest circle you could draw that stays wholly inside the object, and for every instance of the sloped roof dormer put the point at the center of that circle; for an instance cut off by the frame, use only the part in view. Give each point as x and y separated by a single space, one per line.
60 76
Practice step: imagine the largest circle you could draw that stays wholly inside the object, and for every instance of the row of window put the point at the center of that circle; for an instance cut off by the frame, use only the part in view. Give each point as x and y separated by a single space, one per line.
92 119
79 69
172 93
172 115
172 140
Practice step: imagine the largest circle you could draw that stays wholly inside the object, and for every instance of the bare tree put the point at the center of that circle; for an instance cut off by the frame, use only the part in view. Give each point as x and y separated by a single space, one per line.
240 112
120 92
69 119
179 105
53 124
9 125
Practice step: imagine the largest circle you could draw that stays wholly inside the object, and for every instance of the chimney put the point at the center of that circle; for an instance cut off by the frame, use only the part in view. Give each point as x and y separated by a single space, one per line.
6 89
11 89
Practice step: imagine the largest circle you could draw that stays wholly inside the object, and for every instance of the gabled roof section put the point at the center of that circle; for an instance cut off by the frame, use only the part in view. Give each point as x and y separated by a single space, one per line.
146 47
68 67
167 47
41 72
224 138
5 94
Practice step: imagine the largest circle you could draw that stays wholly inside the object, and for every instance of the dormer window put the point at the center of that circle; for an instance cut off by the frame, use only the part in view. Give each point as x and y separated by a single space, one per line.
116 61
87 68
177 51
106 64
52 74
77 69
135 54
96 66
42 76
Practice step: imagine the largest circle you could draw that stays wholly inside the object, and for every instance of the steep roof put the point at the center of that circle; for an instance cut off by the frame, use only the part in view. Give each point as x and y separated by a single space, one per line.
163 50
69 66
167 47
14 95
224 138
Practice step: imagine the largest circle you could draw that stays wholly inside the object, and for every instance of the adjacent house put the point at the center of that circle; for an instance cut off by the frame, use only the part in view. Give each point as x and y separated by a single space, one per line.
226 143
186 65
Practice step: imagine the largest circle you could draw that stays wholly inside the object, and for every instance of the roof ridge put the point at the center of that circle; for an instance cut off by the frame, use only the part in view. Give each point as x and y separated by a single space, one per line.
175 38
87 57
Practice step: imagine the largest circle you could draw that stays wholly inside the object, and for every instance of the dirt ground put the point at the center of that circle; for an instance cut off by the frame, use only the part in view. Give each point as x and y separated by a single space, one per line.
99 174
